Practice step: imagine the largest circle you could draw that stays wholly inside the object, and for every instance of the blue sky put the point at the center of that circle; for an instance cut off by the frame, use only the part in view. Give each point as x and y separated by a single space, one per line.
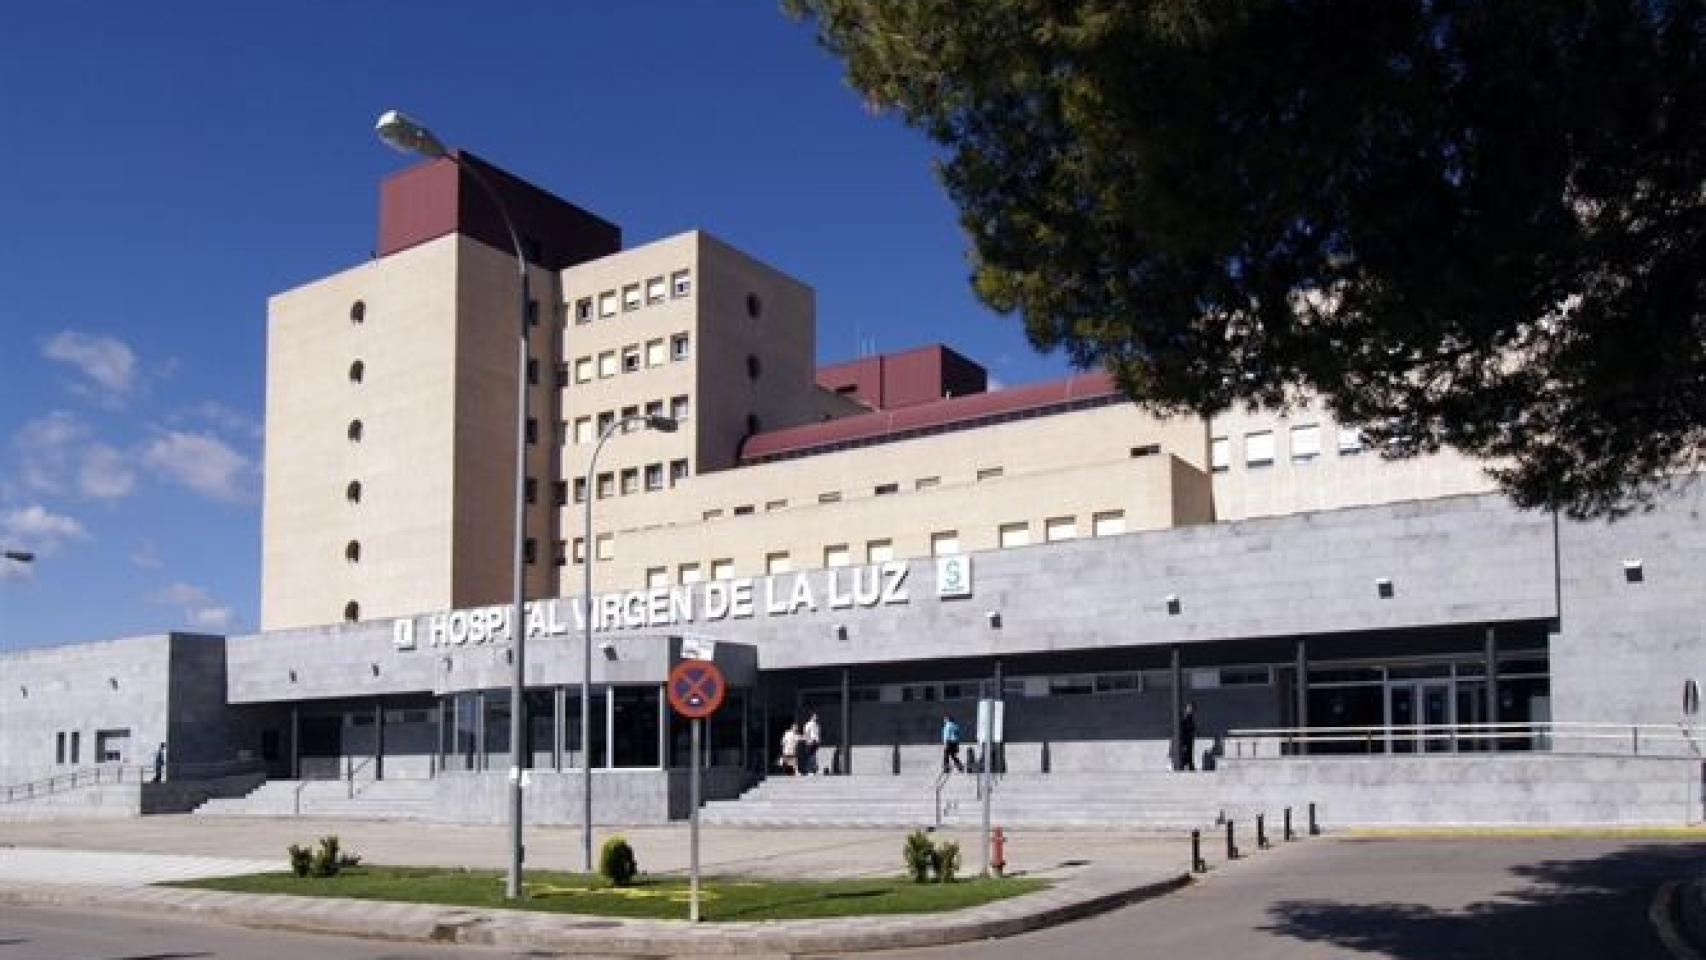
167 166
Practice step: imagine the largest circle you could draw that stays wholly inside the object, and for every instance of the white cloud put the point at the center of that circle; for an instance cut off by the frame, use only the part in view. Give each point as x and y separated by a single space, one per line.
222 417
39 529
146 556
46 449
203 463
200 610
108 365
106 474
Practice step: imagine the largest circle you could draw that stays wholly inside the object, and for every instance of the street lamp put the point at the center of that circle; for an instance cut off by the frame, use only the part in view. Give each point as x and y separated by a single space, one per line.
22 556
407 136
589 551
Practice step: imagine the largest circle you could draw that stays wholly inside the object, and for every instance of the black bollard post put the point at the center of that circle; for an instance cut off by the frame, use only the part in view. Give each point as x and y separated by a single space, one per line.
1198 864
1289 836
1231 845
1314 828
1261 832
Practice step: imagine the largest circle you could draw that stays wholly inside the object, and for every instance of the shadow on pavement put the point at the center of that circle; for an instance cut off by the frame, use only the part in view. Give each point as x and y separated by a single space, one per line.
1594 908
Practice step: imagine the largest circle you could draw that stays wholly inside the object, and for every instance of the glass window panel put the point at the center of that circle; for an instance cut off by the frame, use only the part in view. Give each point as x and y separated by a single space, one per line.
634 726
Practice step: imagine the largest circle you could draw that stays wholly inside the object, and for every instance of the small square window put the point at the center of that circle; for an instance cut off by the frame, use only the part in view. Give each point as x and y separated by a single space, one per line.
1220 454
606 546
884 489
657 577
1350 441
606 485
530 551
654 476
583 310
607 304
879 551
630 480
607 364
654 290
715 513
580 489
722 569
533 372
1056 529
654 353
1014 535
774 505
689 573
837 555
833 496
945 544
531 311
681 283
562 375
990 473
631 297
583 430
744 510
777 562
628 413
677 471
1259 448
654 408
605 419
678 408
925 483
1305 442
579 553
630 359
530 490
560 556
1108 524
679 347
583 370
532 429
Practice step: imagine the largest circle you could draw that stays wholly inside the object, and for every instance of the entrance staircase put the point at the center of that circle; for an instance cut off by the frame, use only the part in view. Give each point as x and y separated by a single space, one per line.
1148 800
330 799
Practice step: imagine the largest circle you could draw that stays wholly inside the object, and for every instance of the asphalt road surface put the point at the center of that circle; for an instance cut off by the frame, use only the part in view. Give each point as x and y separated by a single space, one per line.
1397 899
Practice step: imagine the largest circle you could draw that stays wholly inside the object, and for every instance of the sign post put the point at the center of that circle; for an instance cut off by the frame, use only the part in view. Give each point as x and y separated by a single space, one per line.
696 690
991 716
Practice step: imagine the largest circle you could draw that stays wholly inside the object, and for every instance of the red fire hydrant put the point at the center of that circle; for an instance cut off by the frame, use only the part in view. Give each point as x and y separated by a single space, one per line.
998 851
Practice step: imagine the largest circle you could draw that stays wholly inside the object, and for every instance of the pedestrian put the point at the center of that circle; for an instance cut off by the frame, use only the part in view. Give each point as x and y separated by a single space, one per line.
951 744
791 749
1187 739
811 738
160 762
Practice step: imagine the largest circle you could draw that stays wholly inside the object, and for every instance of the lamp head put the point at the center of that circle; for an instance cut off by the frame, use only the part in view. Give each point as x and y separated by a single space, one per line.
407 136
22 556
663 424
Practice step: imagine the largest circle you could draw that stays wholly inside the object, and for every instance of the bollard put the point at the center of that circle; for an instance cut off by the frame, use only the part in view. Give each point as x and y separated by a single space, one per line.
1231 844
1314 828
1198 864
1261 832
1289 836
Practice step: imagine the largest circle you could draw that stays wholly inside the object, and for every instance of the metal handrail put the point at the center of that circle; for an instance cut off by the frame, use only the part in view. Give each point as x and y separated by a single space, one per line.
1454 733
941 781
352 768
72 780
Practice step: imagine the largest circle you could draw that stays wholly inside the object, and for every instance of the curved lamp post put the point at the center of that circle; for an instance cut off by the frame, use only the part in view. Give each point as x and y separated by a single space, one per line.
589 552
22 556
407 136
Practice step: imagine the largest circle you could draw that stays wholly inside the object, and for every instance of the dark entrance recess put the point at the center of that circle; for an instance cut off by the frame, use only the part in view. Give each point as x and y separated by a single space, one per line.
322 747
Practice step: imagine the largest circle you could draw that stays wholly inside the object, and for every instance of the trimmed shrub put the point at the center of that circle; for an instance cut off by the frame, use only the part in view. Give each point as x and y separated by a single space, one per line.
616 861
920 853
327 862
946 863
301 860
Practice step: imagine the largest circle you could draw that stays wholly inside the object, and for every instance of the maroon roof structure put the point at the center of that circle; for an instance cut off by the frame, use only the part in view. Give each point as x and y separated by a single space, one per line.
956 413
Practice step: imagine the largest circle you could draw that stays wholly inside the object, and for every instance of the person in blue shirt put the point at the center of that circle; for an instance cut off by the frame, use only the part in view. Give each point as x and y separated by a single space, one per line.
951 744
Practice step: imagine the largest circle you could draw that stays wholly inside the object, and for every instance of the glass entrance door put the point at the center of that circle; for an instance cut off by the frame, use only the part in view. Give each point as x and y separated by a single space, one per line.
1424 710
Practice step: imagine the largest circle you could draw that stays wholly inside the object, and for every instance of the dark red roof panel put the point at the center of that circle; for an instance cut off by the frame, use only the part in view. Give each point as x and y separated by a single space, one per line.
872 427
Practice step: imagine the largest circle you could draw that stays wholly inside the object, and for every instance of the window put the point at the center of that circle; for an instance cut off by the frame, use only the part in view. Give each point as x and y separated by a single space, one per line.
562 433
833 496
59 747
879 551
579 552
580 489
837 556
352 613
690 573
631 358
530 490
532 430
628 413
777 562
560 556
354 431
1108 524
583 310
606 485
583 370
562 378
607 364
583 430
533 371
744 510
884 489
1350 441
774 505
559 492
679 348
654 290
606 545
1146 450
631 297
945 544
76 738
715 513
654 476
352 493
657 576
630 480
531 312
925 483
607 304
722 569
1056 529
530 551
357 312
752 423
990 473
1014 534
654 408
1220 454
1259 448
605 419
357 370
677 471
681 283
754 306
654 353
111 745
678 408
1305 442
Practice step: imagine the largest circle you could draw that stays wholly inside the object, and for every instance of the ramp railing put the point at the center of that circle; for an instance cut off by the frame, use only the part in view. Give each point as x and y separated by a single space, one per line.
1426 739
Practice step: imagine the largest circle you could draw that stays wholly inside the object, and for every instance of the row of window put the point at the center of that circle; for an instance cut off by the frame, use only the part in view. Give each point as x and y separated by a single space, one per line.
1048 685
836 496
587 430
942 543
111 746
1305 446
632 296
631 359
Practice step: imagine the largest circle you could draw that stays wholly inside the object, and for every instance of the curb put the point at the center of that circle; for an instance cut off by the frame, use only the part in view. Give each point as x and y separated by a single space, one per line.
1662 914
580 934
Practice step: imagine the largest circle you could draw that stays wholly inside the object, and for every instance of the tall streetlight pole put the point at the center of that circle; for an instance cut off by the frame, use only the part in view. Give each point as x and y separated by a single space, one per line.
589 552
408 136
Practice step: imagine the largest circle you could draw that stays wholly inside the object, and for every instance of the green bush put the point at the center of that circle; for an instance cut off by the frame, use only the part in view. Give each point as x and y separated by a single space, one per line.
920 853
946 862
301 860
327 862
616 861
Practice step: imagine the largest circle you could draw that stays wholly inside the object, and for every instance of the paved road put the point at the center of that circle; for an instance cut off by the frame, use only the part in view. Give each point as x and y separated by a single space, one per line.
1401 900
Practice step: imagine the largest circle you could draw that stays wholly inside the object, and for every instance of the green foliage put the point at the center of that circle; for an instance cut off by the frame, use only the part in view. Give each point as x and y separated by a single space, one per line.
920 854
301 860
328 859
1478 226
616 861
945 862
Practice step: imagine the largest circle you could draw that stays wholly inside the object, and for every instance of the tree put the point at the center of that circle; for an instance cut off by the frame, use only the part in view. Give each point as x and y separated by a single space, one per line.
1475 225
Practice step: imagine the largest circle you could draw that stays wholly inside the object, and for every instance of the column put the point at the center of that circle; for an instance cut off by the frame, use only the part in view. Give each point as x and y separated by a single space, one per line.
1302 680
843 759
1491 652
378 739
295 742
1178 708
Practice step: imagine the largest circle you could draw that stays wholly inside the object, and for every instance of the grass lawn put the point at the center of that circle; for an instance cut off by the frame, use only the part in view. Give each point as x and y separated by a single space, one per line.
721 898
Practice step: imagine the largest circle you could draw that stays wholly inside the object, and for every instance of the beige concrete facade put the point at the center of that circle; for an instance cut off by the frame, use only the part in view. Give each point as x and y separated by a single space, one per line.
690 328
